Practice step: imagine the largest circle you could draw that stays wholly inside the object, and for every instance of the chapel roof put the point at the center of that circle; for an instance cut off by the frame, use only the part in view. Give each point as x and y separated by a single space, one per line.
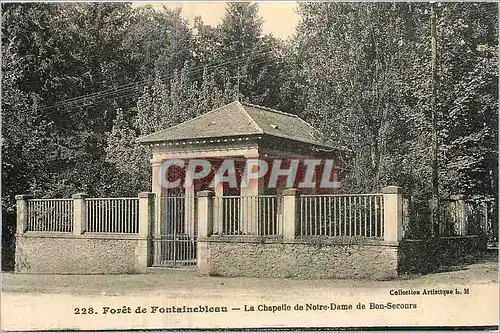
238 119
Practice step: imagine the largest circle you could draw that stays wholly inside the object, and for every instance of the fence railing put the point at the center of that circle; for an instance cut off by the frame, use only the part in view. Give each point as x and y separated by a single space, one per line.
174 250
465 217
177 215
458 216
115 215
49 215
285 216
342 215
248 215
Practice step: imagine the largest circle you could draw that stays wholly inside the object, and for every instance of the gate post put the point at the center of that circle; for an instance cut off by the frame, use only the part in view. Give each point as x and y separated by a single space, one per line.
146 213
79 213
205 229
393 214
290 210
22 213
146 222
205 214
189 213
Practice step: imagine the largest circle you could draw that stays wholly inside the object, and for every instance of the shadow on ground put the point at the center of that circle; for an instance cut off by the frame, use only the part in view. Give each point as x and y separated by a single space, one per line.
489 256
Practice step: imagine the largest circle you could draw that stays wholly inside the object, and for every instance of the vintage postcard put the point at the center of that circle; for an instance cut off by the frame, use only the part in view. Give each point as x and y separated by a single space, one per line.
249 165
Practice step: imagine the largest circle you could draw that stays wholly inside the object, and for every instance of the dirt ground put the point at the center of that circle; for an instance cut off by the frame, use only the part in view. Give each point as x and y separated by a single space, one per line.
477 270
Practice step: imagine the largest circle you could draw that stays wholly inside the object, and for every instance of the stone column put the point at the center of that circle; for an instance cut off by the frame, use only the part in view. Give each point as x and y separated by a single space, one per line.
290 213
144 251
79 213
217 205
189 210
157 189
250 207
146 213
461 213
205 229
393 214
155 177
22 213
205 213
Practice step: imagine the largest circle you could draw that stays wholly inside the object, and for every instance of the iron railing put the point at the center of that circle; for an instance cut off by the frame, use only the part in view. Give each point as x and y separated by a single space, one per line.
112 215
349 215
50 215
248 215
174 242
174 250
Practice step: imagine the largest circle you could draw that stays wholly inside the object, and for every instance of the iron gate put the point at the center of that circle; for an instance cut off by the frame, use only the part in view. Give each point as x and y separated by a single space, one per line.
175 242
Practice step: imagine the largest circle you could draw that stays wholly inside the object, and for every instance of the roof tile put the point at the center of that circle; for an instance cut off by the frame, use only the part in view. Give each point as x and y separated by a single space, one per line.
240 119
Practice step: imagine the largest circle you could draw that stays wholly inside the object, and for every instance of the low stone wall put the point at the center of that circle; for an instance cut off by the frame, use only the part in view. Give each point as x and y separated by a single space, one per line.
301 259
57 253
426 256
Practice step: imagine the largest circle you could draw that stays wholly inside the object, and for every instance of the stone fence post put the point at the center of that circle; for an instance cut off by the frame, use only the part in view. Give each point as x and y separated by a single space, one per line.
461 213
22 213
205 214
291 199
144 251
146 213
205 229
79 213
393 214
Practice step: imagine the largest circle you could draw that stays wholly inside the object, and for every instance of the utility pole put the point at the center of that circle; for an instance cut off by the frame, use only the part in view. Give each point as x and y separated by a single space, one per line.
435 147
238 77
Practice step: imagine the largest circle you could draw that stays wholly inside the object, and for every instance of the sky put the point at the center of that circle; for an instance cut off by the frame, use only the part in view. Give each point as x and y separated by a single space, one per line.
280 18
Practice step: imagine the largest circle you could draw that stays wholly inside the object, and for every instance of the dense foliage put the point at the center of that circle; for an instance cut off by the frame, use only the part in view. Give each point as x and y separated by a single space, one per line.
81 81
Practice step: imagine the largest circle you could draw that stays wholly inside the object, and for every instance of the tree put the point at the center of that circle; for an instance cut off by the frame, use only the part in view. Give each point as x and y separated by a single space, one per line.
237 45
469 98
240 29
209 96
65 51
51 53
130 159
183 97
151 115
367 84
158 42
356 59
